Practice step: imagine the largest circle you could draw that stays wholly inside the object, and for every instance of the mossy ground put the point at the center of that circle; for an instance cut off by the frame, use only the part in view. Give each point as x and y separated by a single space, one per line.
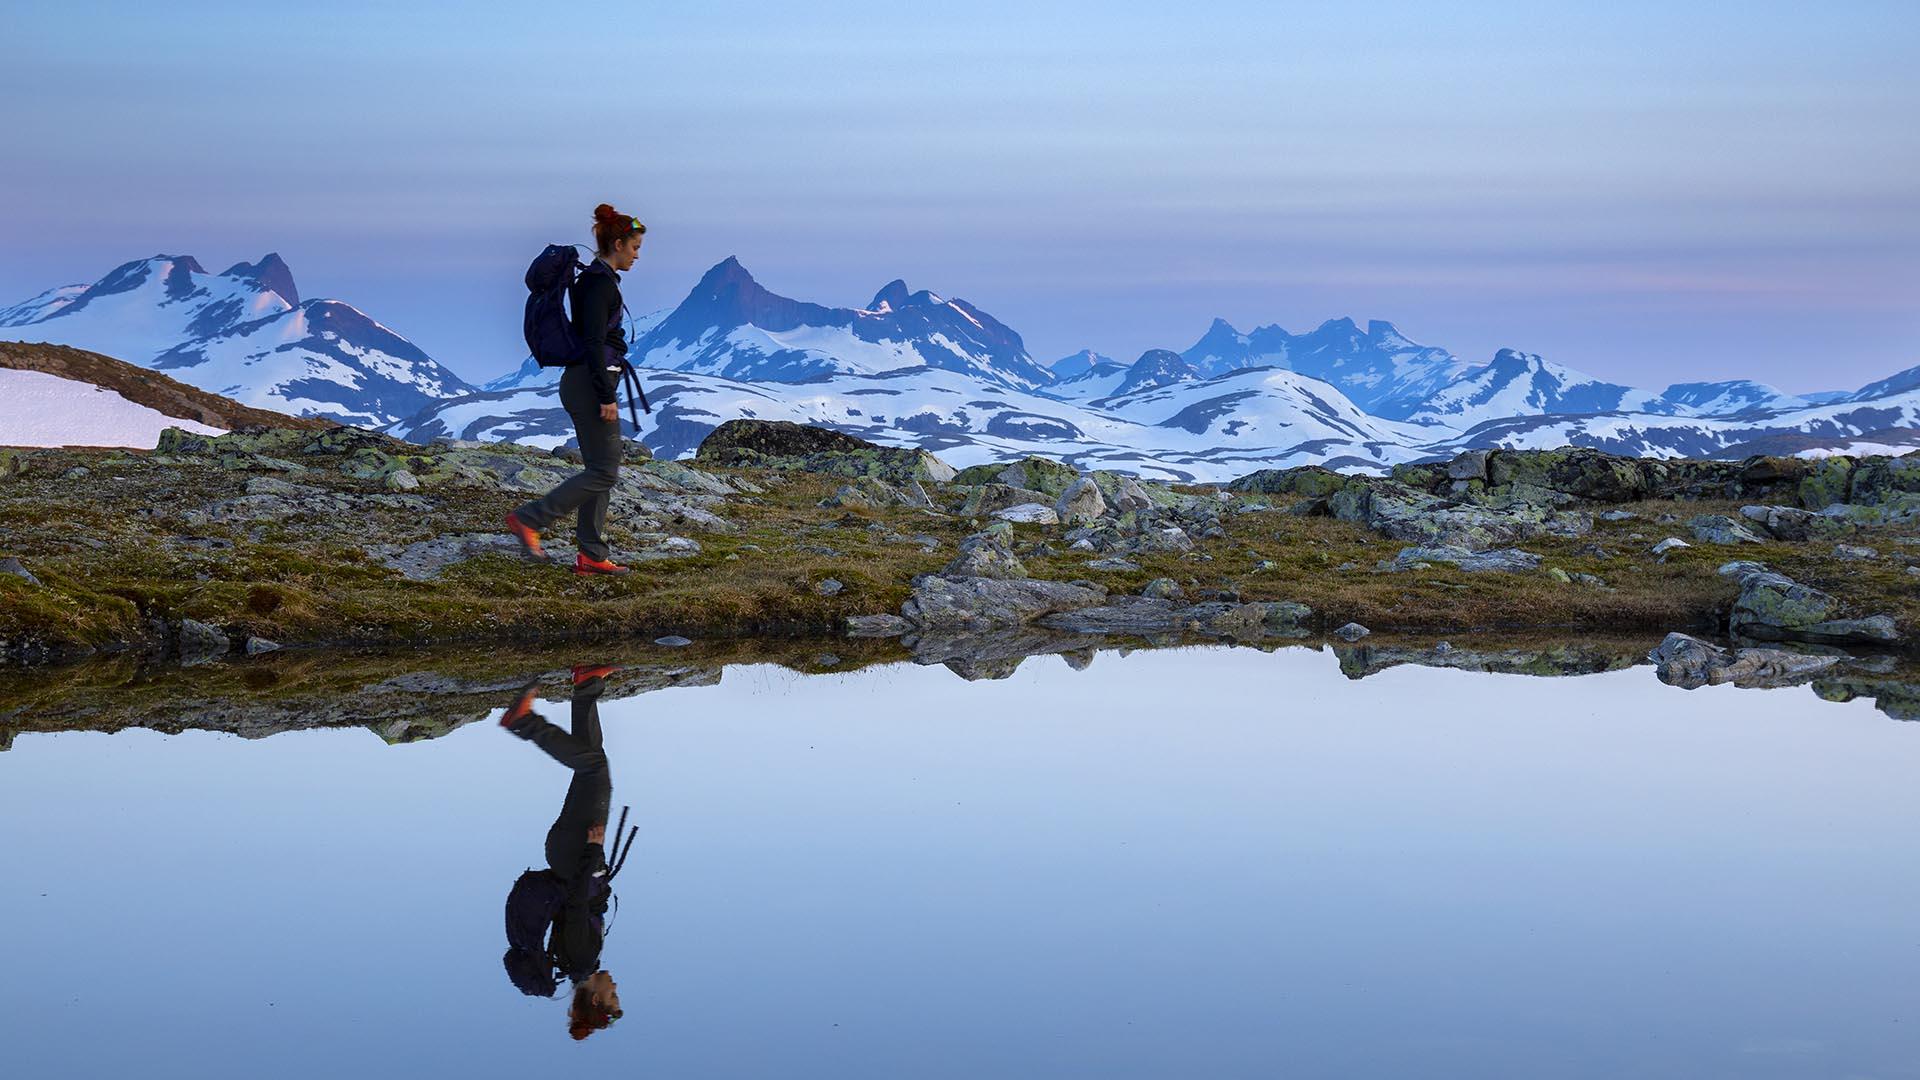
112 552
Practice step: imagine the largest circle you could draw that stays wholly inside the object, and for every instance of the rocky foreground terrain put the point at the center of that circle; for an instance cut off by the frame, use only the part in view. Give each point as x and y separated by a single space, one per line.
272 539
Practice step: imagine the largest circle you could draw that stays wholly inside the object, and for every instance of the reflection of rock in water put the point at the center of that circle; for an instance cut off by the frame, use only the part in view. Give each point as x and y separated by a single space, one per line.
423 695
1357 661
1687 662
1898 698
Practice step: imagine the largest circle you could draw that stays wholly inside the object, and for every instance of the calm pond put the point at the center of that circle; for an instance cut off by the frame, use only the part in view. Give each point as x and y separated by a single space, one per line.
1194 862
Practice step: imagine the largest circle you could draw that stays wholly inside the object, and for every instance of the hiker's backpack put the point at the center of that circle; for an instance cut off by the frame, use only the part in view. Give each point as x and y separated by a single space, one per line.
535 900
550 336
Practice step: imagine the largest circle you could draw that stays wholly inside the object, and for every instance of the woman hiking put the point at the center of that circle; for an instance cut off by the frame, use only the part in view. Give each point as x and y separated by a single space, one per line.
588 392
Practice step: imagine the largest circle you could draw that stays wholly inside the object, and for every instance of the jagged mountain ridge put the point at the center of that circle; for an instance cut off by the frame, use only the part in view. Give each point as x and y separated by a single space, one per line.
245 334
886 372
729 325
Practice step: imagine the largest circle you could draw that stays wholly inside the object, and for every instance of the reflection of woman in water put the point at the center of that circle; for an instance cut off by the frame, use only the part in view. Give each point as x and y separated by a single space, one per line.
556 918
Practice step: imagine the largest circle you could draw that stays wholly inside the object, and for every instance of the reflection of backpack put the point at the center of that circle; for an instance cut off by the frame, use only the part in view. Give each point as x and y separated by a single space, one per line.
550 336
532 904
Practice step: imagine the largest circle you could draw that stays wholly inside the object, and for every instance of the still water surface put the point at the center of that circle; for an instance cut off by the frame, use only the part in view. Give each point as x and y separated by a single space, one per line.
1187 863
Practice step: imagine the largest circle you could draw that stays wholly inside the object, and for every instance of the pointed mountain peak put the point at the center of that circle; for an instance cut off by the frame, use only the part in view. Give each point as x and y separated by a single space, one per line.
892 295
1221 326
727 271
271 273
1341 325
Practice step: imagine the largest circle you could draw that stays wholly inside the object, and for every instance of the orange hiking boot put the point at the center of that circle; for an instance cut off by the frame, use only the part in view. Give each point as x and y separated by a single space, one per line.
583 673
521 709
528 538
583 565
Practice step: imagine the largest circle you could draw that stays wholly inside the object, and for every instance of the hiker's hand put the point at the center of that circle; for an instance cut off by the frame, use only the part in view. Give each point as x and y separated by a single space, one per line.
610 413
597 835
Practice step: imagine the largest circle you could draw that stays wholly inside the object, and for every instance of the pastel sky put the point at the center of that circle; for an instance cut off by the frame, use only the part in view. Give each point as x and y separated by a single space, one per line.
1651 192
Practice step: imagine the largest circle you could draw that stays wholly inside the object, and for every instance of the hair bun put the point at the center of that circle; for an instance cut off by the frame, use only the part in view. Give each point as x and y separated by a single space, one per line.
605 212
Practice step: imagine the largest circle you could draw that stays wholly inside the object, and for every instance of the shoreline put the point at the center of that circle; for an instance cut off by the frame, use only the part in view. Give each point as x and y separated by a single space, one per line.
344 539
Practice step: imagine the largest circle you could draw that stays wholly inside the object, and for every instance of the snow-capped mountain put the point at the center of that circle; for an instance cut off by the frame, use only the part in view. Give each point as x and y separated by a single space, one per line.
243 333
1522 384
1878 420
1204 431
1078 364
1728 398
1898 383
1156 368
731 326
1097 381
1378 369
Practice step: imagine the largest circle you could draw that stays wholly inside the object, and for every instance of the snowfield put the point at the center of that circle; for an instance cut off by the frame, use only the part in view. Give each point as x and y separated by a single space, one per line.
38 409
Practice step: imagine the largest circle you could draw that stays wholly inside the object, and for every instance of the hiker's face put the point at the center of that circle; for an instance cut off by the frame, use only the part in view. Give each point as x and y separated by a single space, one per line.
626 251
606 992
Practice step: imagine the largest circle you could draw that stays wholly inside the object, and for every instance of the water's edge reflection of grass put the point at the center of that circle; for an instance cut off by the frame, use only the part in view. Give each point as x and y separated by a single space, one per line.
410 695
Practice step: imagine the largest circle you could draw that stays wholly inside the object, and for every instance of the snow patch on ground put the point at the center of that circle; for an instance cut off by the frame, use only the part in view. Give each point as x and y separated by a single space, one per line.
38 409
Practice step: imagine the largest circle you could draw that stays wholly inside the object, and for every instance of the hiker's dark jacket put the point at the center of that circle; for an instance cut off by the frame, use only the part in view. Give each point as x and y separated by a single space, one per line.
595 299
576 939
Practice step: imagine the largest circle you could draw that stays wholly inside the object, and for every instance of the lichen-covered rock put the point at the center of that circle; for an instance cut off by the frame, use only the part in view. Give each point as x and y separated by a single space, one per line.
986 555
1774 607
987 498
946 604
1311 481
1029 514
1049 478
1163 588
781 444
198 641
1469 465
1826 482
1671 543
869 493
1720 529
1080 502
1501 559
1789 522
1352 631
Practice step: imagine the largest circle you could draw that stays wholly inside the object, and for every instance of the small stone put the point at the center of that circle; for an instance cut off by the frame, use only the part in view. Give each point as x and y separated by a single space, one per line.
76 473
200 641
1740 568
1617 515
1913 571
1028 514
1559 575
672 641
1113 563
12 566
828 587
1669 544
402 480
1353 631
1163 589
1854 552
257 645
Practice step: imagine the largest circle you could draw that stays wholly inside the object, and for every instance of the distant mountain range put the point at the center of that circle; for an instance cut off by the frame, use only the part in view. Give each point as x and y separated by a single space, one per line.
916 368
243 333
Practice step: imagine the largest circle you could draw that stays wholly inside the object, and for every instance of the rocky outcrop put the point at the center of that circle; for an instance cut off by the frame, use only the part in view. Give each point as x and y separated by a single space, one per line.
781 444
1511 560
1774 607
952 605
1081 502
1688 662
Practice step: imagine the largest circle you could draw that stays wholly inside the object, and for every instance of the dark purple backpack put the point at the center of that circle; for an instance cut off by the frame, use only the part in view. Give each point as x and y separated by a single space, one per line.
550 336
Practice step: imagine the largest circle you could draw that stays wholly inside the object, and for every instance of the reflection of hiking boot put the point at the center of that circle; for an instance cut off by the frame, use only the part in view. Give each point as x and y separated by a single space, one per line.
528 538
585 673
517 714
584 565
